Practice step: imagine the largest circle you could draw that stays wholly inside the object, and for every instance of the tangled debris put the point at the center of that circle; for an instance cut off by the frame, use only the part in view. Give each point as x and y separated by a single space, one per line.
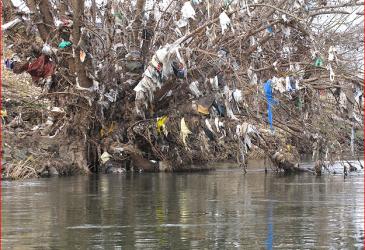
162 85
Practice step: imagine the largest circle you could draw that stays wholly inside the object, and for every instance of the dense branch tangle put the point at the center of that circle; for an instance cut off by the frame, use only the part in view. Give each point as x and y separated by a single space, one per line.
265 39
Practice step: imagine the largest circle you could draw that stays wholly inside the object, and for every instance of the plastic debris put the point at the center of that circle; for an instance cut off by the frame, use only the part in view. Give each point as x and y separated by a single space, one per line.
112 95
227 93
269 99
229 111
331 54
82 56
252 76
184 131
64 23
225 22
179 70
3 113
118 19
57 110
209 126
105 157
47 50
288 86
237 96
64 44
318 62
10 24
158 69
252 41
42 67
235 65
278 84
286 31
210 33
209 133
219 108
9 64
203 110
194 88
160 125
214 83
285 19
188 11
332 73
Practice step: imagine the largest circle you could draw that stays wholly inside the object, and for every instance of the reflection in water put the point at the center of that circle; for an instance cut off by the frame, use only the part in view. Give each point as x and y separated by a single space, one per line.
270 233
215 210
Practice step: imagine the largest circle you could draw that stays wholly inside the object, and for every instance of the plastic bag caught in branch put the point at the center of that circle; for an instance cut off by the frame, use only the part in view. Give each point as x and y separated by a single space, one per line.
237 96
187 11
332 73
10 24
105 157
47 50
225 22
160 125
229 111
214 83
159 68
209 126
210 33
252 76
331 54
194 88
184 131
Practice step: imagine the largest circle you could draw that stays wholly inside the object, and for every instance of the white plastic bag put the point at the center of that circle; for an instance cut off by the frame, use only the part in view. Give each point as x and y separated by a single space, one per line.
187 11
194 88
10 24
237 96
224 21
331 54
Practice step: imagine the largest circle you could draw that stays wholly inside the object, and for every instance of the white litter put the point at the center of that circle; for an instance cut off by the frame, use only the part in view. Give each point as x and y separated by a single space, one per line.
225 22
105 157
187 11
10 24
194 88
237 96
332 54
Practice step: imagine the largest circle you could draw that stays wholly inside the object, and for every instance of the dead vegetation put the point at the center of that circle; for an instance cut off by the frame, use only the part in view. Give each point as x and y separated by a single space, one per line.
162 85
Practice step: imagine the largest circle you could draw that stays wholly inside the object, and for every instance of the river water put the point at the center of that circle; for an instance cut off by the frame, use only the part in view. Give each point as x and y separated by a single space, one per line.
223 209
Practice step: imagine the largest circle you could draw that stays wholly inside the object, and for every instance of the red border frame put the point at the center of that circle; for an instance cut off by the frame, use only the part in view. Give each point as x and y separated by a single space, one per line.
1 131
364 112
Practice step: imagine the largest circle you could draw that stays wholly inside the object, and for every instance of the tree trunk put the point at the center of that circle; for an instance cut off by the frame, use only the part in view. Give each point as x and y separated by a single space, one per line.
138 24
93 11
78 11
45 9
63 7
44 17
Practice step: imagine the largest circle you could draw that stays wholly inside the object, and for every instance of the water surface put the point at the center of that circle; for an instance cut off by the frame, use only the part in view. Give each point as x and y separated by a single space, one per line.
214 210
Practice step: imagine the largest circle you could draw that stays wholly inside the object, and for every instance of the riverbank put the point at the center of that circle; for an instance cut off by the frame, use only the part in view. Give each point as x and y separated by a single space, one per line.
31 148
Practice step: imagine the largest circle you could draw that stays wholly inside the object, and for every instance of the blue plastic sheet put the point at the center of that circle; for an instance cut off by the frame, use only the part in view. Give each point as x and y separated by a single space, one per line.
270 101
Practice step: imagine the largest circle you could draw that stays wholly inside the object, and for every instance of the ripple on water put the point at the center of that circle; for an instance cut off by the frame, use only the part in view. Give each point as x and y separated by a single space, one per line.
223 209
